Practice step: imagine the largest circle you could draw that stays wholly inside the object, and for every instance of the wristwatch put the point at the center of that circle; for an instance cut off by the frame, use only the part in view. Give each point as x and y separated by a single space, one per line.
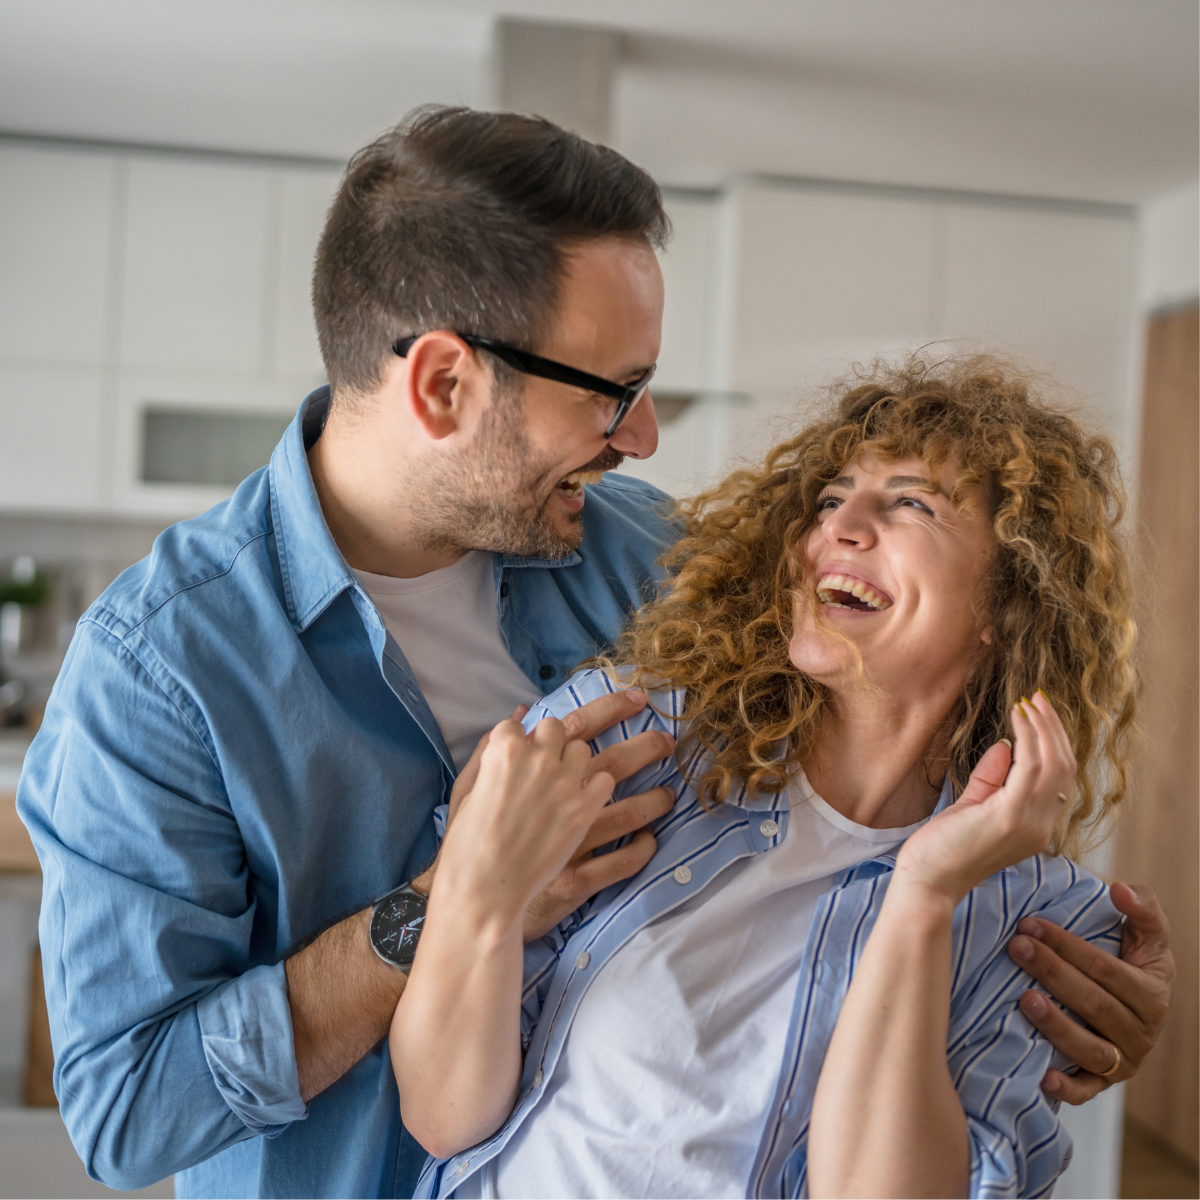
396 922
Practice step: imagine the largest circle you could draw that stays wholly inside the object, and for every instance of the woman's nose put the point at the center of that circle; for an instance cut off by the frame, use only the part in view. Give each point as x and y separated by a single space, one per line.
851 524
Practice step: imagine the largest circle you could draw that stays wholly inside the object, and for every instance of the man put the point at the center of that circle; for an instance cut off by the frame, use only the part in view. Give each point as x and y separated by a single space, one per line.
254 725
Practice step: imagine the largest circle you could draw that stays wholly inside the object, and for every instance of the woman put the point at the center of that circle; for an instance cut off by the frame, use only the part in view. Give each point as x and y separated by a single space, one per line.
806 989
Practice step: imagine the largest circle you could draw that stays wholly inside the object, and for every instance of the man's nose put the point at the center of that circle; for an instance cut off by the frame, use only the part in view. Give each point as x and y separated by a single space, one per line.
637 435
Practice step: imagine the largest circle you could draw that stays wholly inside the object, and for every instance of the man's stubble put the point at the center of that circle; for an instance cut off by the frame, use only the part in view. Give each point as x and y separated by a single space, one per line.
495 496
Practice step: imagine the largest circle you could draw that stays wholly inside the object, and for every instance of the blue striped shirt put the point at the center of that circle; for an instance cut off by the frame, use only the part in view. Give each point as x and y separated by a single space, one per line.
997 1060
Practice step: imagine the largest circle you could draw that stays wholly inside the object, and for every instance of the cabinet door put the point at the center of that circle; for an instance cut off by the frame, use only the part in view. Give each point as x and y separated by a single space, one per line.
1056 288
306 197
52 440
199 254
55 242
815 281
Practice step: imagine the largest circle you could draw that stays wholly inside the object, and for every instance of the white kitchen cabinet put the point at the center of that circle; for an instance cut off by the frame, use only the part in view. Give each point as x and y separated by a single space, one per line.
306 197
1054 287
56 224
186 392
200 264
52 437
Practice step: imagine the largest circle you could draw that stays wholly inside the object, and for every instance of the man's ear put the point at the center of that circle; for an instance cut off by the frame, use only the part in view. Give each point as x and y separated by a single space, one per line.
441 370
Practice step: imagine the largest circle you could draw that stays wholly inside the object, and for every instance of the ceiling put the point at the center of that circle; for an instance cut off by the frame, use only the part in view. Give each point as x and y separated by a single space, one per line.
1085 99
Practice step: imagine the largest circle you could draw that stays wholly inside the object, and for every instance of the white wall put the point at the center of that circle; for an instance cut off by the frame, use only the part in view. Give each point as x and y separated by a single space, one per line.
1169 271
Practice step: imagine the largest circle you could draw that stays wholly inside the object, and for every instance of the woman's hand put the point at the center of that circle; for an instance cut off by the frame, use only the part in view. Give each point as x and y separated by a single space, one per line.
1004 815
524 818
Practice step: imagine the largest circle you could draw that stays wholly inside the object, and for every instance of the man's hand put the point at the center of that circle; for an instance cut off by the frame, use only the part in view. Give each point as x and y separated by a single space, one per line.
1124 1000
588 873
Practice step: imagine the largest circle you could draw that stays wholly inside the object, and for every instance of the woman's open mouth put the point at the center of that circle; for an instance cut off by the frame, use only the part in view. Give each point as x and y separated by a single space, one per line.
838 590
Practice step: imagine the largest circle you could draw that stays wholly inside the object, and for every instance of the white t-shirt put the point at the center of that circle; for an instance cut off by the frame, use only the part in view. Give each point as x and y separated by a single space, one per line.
448 627
675 1052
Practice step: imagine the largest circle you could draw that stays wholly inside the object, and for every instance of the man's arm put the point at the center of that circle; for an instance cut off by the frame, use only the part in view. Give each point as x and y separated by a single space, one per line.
342 996
1123 1000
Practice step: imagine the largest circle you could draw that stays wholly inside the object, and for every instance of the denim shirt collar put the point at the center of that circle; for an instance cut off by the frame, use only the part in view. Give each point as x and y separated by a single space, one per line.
313 569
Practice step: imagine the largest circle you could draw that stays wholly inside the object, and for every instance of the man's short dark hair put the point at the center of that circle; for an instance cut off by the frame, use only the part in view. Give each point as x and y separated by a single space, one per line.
461 220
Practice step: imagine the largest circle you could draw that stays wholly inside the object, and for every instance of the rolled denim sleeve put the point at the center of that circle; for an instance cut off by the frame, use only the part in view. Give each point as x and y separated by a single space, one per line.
246 1030
171 1041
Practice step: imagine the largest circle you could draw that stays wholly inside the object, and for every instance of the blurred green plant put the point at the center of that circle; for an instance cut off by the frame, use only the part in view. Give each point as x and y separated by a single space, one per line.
30 592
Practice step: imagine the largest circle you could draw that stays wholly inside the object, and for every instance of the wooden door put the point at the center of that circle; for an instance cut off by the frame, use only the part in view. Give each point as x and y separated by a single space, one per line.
1158 840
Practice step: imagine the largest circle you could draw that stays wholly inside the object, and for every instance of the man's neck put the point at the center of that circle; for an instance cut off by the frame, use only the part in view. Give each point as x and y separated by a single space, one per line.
364 492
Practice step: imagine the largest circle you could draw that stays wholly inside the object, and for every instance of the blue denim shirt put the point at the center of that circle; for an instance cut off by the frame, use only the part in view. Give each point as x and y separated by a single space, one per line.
235 755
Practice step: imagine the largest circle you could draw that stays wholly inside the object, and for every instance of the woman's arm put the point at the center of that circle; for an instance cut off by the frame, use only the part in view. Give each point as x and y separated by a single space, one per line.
886 1119
455 1036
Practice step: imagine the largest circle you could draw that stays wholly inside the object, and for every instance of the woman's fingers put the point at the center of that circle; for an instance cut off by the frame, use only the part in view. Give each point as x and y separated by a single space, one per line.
989 774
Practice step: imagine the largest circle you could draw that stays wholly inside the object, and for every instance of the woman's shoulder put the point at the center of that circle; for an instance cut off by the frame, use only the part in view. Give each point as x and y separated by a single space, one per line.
1048 886
663 712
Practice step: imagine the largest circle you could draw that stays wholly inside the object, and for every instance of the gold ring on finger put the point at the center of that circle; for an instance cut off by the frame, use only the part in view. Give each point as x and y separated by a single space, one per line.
1116 1063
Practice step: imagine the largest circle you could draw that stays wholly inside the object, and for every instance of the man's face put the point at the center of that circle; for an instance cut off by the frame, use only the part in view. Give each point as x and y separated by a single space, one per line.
516 488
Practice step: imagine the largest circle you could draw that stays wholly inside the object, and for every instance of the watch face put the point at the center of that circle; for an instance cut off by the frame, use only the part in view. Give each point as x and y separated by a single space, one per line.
396 926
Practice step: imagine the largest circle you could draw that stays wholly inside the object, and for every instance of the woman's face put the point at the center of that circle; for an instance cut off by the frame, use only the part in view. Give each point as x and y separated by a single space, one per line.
896 569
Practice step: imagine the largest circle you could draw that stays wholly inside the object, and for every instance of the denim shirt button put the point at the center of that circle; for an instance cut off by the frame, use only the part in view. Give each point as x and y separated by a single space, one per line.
546 671
769 828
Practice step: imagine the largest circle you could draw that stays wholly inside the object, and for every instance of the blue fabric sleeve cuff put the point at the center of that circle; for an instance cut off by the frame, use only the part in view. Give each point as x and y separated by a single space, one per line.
246 1031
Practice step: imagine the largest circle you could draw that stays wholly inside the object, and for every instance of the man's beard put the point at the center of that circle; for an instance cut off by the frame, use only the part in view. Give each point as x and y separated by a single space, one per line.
490 499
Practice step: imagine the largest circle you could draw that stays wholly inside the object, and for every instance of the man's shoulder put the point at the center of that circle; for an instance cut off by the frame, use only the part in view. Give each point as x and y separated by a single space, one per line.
188 559
616 497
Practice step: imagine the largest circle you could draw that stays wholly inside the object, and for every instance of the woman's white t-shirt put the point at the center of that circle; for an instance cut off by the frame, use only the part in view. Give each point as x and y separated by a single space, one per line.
675 1052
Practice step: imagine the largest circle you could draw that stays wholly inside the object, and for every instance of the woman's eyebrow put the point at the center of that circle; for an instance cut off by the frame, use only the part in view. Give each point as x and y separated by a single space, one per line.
903 481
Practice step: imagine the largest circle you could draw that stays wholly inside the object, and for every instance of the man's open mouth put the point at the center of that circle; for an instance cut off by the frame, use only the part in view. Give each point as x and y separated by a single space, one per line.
573 484
838 590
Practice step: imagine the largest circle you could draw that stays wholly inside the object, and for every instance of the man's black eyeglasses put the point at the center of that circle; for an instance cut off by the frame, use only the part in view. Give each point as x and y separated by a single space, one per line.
625 395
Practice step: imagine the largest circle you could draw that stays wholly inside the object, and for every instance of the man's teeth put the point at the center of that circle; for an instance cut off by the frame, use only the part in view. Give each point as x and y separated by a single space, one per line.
829 588
572 484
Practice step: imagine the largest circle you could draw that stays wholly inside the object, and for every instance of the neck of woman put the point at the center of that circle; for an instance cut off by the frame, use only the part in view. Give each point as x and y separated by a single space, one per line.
880 759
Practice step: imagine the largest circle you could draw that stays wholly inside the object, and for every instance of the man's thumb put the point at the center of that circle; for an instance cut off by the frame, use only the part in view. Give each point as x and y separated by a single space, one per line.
989 774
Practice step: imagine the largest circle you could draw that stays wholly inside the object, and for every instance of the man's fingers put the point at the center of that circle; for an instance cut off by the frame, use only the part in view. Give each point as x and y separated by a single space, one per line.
624 816
1073 1089
582 880
592 875
602 713
1146 937
1143 991
1090 1051
1084 982
627 758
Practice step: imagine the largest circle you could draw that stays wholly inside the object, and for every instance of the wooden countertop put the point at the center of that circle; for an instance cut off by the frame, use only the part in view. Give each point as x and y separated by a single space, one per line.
16 850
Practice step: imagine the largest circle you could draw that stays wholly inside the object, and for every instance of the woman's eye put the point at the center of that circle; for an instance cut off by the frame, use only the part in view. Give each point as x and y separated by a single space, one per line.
827 502
913 502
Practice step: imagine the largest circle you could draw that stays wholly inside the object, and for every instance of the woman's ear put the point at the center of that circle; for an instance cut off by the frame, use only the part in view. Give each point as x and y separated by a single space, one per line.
985 635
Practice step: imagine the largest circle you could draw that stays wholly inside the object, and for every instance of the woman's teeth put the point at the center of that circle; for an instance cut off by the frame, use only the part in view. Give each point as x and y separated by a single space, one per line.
840 591
573 484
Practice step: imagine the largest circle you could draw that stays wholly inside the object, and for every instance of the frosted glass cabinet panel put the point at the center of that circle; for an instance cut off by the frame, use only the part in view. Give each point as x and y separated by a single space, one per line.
1055 287
197 264
56 218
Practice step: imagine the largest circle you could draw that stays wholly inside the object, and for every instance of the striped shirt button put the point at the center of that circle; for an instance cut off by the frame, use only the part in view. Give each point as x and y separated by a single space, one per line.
683 874
538 1077
582 961
769 828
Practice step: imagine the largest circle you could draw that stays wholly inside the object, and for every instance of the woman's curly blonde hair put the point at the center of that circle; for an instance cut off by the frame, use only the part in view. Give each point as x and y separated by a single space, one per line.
1057 596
